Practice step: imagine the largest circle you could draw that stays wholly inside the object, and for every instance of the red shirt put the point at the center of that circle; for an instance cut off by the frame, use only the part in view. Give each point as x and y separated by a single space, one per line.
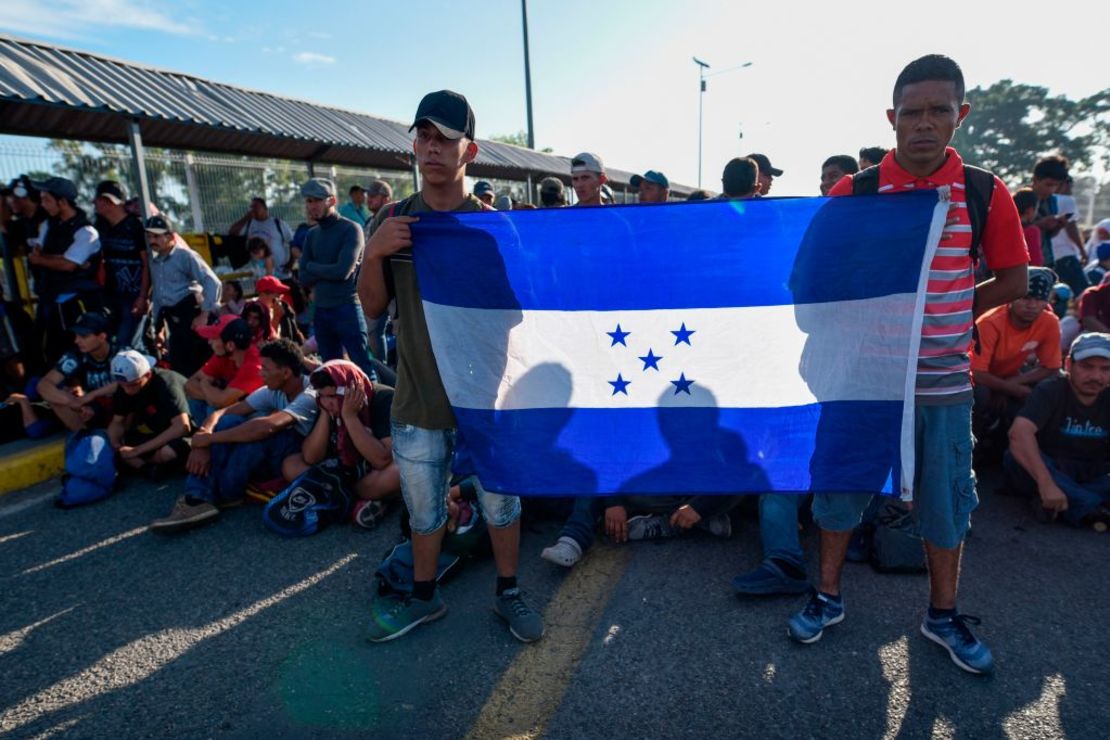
1033 244
246 377
943 363
1095 303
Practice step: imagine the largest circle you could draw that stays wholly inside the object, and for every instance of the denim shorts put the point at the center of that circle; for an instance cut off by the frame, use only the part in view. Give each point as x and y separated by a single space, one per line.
943 486
424 458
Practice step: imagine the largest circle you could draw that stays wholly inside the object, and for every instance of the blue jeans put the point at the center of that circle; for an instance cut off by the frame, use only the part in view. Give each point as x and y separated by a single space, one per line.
943 485
581 525
423 459
234 464
778 527
124 321
344 328
1086 485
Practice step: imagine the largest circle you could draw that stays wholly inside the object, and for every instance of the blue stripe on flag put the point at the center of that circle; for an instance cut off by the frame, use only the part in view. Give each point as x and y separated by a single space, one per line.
847 446
761 252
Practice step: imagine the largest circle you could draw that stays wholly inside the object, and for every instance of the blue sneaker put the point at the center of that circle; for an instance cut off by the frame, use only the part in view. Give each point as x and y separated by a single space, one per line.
769 578
965 649
392 616
820 612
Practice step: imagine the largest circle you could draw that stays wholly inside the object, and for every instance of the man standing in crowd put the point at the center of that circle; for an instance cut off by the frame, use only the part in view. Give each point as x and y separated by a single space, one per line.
1056 215
834 168
1018 347
329 265
126 272
928 107
553 193
767 173
79 388
248 440
483 191
423 422
869 156
1058 442
185 292
587 176
26 219
233 371
355 209
377 196
740 179
67 258
653 187
378 193
258 222
150 416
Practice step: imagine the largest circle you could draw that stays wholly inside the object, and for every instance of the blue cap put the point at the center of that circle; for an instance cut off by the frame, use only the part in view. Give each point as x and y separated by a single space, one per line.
651 176
1091 344
482 187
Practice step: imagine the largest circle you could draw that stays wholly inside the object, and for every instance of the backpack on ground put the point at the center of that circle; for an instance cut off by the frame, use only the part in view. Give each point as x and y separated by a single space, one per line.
319 496
897 547
90 464
469 539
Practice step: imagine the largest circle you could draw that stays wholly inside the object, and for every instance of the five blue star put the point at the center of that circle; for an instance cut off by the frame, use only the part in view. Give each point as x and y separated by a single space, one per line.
682 335
618 336
651 360
620 385
682 385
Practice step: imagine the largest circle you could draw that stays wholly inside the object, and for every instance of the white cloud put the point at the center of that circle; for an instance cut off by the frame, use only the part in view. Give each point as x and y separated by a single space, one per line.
312 58
71 19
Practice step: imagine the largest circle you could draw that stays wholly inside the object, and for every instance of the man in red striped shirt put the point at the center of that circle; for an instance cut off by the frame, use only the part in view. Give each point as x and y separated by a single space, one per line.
928 108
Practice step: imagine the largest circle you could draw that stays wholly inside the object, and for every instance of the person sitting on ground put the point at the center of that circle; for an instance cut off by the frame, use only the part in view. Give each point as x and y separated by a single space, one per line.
740 179
1058 443
233 371
150 416
1025 200
1018 347
272 294
249 440
834 168
1094 309
262 258
231 298
354 427
257 317
1097 273
79 388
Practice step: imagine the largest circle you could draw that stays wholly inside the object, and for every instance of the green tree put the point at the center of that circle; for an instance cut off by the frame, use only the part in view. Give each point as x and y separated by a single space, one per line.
1012 125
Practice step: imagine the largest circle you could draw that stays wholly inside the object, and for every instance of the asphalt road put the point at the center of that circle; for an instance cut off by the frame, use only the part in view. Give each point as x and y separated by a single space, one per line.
108 630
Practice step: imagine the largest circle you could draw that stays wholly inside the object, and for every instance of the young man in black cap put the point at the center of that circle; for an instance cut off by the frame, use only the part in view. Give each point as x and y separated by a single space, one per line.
79 388
587 175
553 193
126 271
767 173
67 261
483 191
355 209
423 422
653 187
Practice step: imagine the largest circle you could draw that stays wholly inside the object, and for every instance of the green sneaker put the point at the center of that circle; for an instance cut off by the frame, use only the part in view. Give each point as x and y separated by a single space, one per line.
525 623
392 617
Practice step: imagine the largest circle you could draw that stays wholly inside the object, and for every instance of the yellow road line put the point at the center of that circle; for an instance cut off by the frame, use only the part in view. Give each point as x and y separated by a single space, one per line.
531 689
31 466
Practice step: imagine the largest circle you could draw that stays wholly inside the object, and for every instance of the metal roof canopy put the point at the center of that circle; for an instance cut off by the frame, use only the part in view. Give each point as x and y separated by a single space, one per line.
55 92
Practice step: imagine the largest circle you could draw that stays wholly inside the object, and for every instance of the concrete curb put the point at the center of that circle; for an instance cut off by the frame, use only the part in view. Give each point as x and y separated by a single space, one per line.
32 464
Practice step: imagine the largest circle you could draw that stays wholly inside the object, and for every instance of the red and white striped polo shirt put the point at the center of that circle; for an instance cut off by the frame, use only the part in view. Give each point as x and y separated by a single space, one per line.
943 363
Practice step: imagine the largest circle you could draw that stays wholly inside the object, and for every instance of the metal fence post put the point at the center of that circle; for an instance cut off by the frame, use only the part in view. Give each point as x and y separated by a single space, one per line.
194 194
138 162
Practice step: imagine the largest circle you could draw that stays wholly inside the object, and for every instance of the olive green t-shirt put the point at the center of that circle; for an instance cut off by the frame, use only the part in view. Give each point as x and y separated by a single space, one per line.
419 398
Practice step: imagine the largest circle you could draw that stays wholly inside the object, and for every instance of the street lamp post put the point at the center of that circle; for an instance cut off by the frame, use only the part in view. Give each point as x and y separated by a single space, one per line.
527 75
702 66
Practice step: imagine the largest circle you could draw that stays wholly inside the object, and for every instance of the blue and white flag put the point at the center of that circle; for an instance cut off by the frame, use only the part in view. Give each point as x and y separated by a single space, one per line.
715 347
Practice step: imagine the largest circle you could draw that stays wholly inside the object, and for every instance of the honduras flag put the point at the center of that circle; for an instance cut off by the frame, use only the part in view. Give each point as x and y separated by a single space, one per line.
714 347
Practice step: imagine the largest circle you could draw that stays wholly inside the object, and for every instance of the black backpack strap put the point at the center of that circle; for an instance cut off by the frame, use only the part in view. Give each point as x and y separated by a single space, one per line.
866 182
978 191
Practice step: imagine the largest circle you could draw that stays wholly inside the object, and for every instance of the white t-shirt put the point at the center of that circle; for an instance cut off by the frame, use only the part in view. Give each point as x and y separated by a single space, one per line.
278 235
1097 238
1062 245
302 408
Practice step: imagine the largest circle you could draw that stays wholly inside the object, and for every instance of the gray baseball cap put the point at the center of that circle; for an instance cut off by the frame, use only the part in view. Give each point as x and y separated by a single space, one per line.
318 187
587 162
1092 344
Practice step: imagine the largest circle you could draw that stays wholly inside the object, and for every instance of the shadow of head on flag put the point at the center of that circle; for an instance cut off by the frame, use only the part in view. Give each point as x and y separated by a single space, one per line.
681 349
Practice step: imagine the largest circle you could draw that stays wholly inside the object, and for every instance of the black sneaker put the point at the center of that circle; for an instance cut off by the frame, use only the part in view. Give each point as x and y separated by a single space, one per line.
525 623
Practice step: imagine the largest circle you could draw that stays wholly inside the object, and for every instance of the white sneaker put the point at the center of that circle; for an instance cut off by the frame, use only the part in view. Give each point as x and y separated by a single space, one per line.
565 552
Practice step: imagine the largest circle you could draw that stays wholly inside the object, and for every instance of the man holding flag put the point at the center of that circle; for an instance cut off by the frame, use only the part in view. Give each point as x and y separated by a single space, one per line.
928 108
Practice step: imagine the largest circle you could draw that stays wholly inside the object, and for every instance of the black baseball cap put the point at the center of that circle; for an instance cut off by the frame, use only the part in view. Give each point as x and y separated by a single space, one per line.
448 111
92 323
765 165
59 187
158 225
111 190
238 331
23 187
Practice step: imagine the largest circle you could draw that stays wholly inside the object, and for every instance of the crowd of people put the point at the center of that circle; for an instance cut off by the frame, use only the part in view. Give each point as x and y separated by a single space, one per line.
329 362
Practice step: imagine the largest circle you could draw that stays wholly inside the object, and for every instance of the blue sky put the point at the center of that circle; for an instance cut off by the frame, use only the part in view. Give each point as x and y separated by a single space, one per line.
612 77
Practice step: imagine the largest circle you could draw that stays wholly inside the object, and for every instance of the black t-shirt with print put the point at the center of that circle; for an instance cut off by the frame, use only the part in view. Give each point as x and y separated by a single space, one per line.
160 401
80 369
1066 429
123 246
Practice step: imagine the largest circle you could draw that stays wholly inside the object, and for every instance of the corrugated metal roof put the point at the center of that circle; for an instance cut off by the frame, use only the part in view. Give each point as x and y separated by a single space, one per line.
56 92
